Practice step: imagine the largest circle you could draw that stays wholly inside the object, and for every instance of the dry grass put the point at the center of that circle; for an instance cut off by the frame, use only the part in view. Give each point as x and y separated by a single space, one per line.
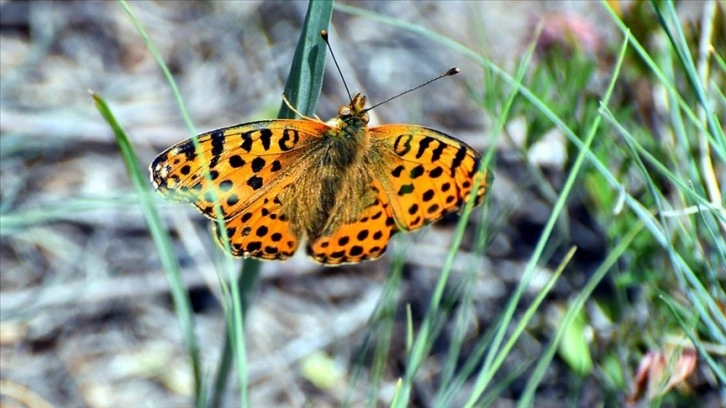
86 315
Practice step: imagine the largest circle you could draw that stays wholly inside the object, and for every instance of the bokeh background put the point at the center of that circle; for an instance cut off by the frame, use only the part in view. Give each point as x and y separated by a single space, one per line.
87 318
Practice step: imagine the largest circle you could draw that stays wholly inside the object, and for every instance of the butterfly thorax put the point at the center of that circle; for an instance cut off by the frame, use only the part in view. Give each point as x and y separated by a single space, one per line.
347 139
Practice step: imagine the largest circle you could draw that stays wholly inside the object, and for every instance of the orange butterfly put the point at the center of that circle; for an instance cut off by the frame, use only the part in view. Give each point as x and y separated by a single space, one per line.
345 187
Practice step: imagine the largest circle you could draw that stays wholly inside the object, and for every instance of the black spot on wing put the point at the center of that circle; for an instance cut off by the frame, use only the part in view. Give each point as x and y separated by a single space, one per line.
236 161
438 151
477 163
397 171
423 145
416 172
405 189
458 159
258 163
288 140
187 149
254 246
255 182
247 141
217 140
402 145
428 195
266 138
226 185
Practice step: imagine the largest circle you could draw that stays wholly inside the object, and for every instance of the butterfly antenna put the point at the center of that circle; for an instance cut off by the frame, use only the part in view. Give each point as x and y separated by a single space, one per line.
324 34
452 71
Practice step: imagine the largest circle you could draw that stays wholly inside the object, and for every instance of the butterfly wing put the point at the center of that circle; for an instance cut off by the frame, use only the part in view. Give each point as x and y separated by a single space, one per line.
365 239
427 174
249 167
419 175
261 230
245 163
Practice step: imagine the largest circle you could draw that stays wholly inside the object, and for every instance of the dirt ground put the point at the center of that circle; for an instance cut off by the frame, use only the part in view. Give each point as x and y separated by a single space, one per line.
87 319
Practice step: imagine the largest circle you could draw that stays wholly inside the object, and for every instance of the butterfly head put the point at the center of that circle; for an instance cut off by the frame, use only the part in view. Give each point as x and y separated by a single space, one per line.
352 120
354 110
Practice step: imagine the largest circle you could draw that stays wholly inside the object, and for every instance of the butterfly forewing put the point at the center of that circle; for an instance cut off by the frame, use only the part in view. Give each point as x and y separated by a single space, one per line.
428 174
244 163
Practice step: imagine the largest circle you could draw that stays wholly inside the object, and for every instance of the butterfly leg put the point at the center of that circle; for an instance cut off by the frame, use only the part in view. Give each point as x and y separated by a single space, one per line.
297 112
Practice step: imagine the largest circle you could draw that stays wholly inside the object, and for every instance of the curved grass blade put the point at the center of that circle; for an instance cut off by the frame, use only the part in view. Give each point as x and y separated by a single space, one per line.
182 304
305 80
302 89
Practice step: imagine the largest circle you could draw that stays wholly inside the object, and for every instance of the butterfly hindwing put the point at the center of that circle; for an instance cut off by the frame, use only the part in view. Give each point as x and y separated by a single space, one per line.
365 239
261 230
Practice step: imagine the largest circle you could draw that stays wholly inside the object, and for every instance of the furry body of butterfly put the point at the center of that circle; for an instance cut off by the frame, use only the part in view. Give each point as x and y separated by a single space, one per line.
340 189
344 186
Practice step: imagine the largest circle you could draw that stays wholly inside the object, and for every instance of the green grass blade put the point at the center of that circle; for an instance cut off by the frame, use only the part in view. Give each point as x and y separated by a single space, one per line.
716 366
234 305
161 240
228 265
527 398
66 209
670 20
490 364
449 385
305 80
714 135
302 89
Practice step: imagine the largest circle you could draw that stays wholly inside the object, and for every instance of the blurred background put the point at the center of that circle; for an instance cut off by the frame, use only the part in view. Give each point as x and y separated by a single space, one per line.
87 318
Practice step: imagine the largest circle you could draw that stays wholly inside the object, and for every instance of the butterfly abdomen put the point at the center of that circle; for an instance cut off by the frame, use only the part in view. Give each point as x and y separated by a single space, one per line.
330 195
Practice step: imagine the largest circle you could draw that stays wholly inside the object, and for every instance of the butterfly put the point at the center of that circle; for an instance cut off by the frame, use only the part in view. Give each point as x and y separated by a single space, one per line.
343 186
